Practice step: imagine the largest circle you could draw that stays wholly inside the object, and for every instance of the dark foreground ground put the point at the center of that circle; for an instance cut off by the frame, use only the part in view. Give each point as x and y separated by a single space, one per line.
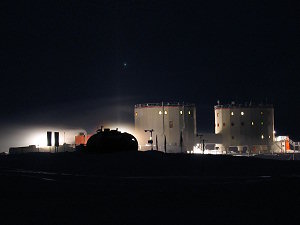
147 188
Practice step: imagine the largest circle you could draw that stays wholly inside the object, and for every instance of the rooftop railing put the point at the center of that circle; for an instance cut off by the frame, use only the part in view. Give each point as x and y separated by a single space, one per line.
246 105
163 104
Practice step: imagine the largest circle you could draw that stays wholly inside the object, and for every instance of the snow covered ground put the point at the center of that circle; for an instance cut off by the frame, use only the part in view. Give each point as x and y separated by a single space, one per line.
147 188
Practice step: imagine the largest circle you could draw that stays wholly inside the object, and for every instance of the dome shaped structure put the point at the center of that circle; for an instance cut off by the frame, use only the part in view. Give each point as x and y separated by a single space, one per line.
108 141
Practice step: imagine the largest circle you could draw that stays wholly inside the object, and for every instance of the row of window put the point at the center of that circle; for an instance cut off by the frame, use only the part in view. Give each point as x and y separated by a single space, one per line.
166 112
242 113
181 112
242 124
262 137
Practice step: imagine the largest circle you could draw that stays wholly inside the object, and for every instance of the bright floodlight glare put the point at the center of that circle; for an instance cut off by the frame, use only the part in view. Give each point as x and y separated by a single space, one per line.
197 150
122 127
38 137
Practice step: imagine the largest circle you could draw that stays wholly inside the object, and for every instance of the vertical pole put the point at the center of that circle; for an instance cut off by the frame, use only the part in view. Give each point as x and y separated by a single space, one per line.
165 146
294 153
183 109
64 141
181 141
165 142
183 123
200 138
163 120
151 139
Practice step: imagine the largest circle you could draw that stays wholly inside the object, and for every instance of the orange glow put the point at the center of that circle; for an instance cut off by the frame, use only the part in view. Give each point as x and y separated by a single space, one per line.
82 139
287 145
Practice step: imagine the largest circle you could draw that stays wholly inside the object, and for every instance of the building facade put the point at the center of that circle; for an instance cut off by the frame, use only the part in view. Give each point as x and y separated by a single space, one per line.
172 123
245 127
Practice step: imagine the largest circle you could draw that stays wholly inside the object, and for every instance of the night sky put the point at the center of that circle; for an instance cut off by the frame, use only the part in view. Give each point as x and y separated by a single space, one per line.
82 63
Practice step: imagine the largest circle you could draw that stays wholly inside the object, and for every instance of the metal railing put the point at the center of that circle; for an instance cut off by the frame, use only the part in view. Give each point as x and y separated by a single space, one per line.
166 104
294 144
244 106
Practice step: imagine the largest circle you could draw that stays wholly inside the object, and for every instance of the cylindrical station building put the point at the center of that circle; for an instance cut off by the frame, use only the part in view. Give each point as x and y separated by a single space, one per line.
245 127
172 123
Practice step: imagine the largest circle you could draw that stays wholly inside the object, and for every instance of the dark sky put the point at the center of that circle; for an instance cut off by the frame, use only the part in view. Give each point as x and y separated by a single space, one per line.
62 62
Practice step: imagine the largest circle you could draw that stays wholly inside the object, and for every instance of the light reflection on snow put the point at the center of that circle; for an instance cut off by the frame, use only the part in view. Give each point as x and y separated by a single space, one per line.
197 149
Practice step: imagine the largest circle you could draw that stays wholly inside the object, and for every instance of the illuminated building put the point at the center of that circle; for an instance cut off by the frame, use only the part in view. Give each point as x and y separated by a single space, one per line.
245 127
173 123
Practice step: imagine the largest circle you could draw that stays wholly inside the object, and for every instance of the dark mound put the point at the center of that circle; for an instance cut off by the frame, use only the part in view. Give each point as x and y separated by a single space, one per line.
109 141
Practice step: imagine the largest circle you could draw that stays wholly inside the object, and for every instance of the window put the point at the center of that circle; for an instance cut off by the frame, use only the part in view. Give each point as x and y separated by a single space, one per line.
181 112
223 124
136 114
232 113
262 136
242 113
171 124
262 123
189 112
269 137
218 125
252 123
261 113
160 112
232 124
217 114
166 112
